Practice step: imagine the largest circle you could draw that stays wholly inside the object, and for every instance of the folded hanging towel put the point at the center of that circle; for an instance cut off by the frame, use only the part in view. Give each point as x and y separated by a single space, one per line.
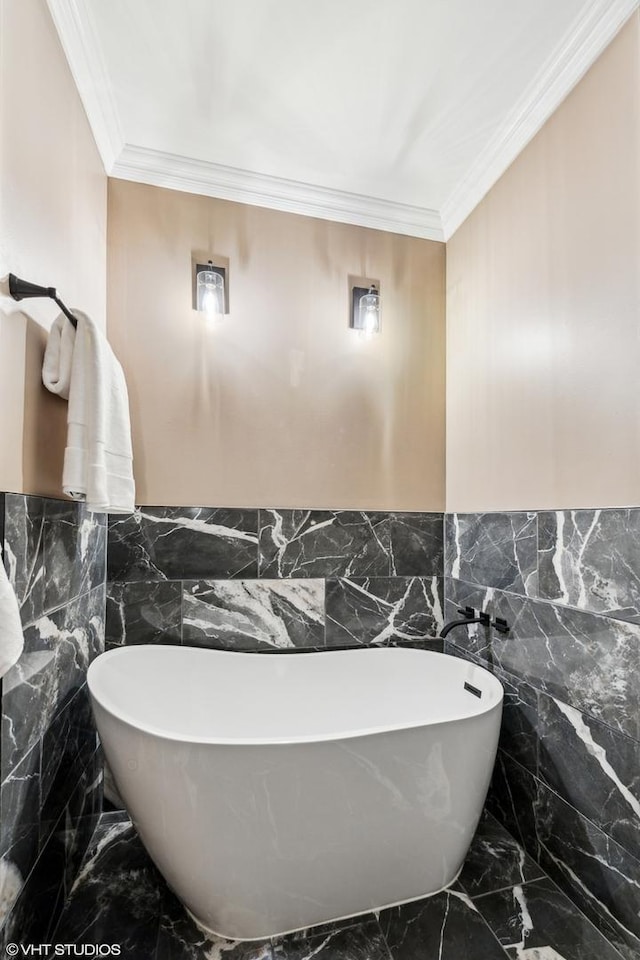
80 366
11 638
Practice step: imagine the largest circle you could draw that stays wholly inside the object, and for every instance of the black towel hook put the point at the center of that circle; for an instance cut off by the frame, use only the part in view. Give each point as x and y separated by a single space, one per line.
22 290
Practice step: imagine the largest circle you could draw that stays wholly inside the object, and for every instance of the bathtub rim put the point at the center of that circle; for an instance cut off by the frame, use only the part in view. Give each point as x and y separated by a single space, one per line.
256 741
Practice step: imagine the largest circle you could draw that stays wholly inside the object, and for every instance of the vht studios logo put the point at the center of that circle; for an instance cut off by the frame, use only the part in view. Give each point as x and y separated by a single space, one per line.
63 950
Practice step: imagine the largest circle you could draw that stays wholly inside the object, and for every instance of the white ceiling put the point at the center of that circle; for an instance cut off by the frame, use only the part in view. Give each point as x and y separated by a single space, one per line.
396 114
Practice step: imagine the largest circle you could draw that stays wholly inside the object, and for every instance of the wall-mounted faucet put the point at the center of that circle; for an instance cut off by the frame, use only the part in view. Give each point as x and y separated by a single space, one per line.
468 615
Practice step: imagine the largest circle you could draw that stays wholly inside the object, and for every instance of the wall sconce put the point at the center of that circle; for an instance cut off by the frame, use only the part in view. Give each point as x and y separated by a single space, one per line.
365 308
211 290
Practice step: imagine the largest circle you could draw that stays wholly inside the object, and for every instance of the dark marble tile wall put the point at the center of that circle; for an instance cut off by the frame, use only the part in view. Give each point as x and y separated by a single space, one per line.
567 783
274 579
50 766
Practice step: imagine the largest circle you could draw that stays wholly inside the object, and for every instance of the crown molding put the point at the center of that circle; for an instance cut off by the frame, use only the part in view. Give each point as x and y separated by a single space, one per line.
582 45
584 42
243 186
79 39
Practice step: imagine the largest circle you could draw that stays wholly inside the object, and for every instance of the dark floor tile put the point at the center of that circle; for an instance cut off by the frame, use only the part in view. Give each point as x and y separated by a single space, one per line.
446 926
535 920
495 860
180 938
36 912
364 941
322 929
599 875
117 896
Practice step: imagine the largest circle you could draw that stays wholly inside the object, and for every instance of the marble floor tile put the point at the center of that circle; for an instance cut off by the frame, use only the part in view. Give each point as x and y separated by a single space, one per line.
495 860
446 926
180 938
363 941
117 896
535 921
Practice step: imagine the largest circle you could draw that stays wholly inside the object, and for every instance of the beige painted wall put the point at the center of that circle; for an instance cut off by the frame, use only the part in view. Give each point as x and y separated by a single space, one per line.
52 231
281 403
543 311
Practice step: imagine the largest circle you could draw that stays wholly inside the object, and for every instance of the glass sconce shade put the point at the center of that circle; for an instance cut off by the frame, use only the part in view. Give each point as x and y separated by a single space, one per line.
210 293
369 312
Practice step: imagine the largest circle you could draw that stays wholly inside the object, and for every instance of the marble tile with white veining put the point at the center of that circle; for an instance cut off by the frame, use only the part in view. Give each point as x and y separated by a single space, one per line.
180 938
75 543
416 544
383 610
591 559
495 860
58 649
80 818
494 549
144 611
594 768
117 895
23 550
589 764
599 875
583 659
323 543
536 921
446 926
68 748
32 919
183 543
254 614
19 824
361 941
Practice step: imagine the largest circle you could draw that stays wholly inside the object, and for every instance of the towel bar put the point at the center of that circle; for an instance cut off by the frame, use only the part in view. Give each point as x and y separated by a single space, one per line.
22 289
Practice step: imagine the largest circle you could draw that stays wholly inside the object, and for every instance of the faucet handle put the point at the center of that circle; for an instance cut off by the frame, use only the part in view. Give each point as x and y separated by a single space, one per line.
466 612
500 625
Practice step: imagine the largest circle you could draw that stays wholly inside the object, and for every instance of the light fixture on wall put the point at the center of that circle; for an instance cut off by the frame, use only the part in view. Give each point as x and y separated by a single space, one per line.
365 308
211 293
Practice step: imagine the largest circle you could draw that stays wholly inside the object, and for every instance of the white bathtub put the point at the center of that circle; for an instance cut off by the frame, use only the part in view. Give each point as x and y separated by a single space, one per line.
275 791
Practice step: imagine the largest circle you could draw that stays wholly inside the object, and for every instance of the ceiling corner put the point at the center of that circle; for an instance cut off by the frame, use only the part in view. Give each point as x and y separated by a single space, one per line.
589 36
81 46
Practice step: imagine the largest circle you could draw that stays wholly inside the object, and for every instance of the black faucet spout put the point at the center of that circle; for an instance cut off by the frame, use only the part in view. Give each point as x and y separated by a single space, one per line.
482 618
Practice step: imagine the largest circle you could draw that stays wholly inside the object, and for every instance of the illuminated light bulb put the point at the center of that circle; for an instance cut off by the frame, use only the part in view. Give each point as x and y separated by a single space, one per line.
210 294
369 312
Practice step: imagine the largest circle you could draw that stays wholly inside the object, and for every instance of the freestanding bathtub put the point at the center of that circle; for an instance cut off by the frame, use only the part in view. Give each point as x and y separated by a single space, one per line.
275 792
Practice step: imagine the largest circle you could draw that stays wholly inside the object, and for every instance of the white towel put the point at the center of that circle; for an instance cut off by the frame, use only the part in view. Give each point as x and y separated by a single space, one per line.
11 638
80 366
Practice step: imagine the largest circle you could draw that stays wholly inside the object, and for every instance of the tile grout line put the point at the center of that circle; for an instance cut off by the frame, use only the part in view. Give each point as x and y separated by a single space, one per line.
571 807
481 661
